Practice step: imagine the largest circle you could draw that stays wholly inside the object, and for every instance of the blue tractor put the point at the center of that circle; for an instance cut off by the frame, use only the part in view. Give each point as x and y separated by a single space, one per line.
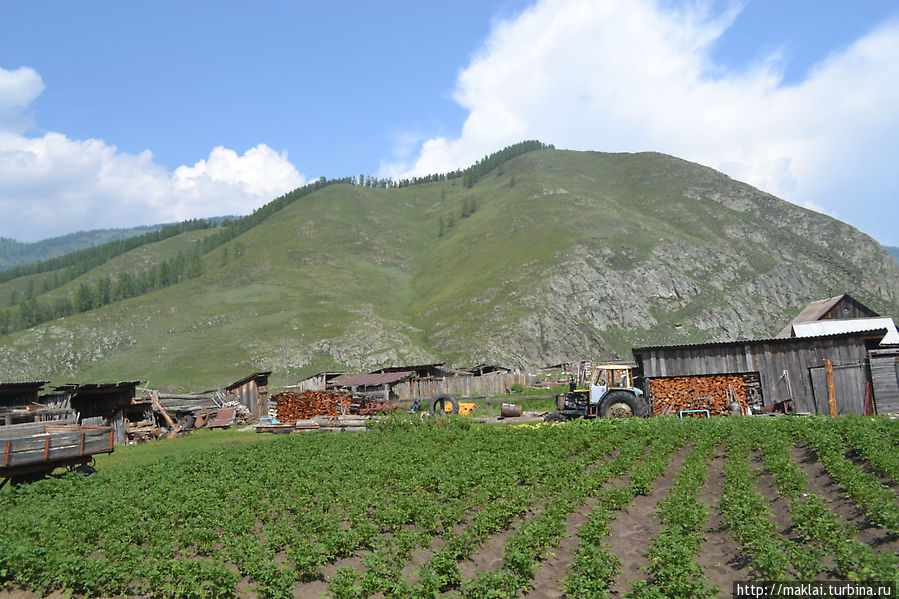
610 393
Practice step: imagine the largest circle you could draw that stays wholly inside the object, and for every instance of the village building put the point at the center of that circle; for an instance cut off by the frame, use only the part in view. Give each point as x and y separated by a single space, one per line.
252 392
835 348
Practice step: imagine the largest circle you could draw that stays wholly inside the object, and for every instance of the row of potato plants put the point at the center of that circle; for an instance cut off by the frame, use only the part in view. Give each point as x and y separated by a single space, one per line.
272 513
595 567
865 489
673 570
442 572
748 516
821 530
870 439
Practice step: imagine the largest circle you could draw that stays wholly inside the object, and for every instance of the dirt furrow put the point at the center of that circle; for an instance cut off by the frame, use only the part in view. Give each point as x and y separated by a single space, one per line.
547 582
631 531
721 558
837 499
778 504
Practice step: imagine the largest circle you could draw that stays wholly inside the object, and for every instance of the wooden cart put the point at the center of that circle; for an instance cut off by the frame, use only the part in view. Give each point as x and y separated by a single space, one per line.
35 449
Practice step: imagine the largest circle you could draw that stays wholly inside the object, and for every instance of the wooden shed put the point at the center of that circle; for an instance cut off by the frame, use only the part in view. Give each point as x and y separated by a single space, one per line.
100 403
252 392
18 400
375 384
317 382
840 307
786 368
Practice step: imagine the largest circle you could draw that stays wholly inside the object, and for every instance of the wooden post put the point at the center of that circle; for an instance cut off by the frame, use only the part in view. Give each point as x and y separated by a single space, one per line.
831 392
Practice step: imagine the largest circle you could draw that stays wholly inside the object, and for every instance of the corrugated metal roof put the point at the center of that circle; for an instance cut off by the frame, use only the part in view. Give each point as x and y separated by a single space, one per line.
774 340
851 325
374 379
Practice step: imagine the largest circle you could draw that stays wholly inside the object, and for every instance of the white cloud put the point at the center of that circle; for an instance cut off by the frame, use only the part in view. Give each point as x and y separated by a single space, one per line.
628 75
52 185
17 90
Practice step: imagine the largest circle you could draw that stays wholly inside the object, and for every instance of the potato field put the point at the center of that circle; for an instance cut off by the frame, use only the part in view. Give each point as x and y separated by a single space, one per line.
637 508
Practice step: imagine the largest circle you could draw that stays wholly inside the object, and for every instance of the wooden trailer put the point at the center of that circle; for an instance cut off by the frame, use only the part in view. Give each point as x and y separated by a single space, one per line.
35 449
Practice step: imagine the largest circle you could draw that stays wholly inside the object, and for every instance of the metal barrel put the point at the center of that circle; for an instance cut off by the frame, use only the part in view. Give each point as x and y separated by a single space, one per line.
510 410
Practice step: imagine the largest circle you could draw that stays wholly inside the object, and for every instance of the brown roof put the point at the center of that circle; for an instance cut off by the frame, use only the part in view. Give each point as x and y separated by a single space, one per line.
247 379
817 310
375 379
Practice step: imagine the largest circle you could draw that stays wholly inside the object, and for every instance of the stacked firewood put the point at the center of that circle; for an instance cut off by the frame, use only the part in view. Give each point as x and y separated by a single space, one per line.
714 393
308 404
374 407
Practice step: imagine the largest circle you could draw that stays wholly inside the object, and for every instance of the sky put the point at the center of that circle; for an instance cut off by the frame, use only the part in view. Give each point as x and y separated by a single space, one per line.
117 114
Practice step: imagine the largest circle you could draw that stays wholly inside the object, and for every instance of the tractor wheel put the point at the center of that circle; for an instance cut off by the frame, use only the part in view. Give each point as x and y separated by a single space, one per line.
438 405
621 404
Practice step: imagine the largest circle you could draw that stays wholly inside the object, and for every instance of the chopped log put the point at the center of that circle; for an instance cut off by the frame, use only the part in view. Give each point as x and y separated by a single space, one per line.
715 393
291 407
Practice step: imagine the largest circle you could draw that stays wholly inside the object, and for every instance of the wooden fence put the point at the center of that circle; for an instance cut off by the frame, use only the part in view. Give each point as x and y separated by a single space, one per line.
461 386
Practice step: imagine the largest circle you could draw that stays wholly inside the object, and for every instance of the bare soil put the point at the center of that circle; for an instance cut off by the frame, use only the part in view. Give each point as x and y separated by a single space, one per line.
835 495
720 556
630 532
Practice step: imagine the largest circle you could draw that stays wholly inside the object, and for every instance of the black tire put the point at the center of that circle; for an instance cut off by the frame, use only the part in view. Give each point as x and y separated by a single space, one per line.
621 404
555 417
438 405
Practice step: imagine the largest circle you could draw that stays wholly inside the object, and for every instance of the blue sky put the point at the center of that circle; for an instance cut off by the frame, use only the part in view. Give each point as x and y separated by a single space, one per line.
124 113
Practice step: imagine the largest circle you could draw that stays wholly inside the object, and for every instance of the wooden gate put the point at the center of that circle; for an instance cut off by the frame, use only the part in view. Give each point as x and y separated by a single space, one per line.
849 382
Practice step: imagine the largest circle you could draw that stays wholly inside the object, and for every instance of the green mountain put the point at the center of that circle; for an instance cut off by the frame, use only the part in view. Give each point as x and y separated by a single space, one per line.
546 257
894 252
14 253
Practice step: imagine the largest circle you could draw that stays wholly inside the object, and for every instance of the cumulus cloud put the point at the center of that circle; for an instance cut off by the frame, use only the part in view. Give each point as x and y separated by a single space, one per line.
637 75
52 185
17 90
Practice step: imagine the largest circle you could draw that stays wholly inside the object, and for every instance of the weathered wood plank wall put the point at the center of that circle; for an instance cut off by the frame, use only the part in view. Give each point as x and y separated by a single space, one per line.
784 366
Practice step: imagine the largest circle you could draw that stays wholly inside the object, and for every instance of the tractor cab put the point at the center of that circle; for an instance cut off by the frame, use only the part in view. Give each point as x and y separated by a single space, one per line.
607 378
609 393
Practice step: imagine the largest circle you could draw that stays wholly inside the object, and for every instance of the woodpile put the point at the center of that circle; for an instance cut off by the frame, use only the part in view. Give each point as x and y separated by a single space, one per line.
714 393
373 407
291 407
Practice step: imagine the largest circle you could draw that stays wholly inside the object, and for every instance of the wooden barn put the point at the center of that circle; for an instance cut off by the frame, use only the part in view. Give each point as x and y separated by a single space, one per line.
252 392
840 307
785 368
99 403
19 402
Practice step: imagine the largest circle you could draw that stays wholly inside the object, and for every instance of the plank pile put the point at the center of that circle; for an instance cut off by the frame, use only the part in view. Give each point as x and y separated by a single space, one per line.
308 404
715 393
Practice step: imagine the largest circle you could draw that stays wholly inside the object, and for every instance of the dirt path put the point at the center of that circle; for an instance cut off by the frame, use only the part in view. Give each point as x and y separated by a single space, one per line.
631 531
720 557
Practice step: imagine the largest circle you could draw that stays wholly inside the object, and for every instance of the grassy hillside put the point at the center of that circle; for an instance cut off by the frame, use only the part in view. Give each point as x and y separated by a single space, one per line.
14 253
551 256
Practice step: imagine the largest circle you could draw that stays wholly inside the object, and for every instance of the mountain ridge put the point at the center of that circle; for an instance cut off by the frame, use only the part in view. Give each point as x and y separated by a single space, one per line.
550 256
